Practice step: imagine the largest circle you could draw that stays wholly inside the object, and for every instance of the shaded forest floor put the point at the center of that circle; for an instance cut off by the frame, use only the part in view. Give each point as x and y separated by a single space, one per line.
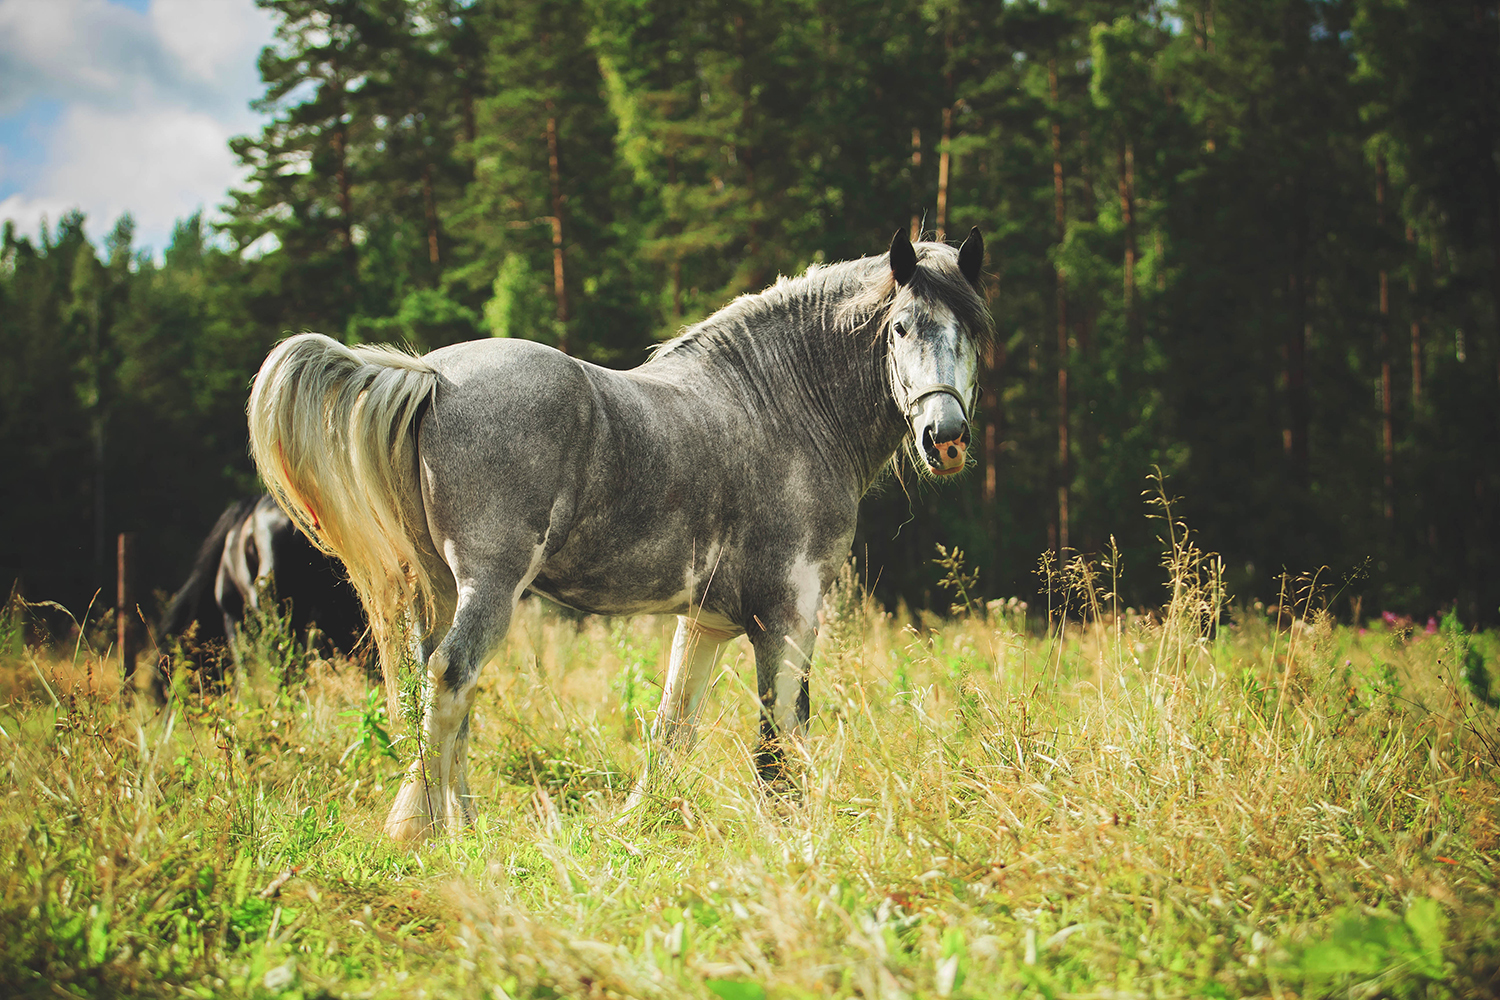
1134 809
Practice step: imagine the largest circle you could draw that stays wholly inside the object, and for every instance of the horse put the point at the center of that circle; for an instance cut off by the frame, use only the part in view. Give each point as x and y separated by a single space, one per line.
254 550
719 481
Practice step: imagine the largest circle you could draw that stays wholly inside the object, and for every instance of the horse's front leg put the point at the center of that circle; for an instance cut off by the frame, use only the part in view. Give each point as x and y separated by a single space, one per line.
695 652
782 657
434 795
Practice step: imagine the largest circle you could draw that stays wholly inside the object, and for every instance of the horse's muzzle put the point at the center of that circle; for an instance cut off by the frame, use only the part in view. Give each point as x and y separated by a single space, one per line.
944 435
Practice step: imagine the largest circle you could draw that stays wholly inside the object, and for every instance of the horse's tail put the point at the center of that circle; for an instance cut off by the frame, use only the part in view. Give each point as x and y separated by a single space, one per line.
332 430
193 596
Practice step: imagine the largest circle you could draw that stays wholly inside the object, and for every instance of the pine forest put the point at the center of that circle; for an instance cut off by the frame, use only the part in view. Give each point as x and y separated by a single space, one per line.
1243 251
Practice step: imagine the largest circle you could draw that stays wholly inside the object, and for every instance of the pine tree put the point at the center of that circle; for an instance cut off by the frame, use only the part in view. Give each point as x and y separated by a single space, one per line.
304 206
549 203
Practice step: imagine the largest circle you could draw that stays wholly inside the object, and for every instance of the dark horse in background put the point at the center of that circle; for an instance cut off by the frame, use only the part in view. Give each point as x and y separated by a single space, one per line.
252 553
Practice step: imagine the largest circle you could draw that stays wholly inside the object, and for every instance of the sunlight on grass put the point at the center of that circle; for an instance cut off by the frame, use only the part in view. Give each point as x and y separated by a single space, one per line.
1095 802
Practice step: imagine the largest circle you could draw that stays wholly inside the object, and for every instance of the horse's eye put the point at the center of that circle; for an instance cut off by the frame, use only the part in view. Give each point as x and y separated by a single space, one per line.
900 328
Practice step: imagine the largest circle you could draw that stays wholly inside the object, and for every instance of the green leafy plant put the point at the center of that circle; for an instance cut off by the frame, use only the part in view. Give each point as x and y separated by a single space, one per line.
960 581
1378 950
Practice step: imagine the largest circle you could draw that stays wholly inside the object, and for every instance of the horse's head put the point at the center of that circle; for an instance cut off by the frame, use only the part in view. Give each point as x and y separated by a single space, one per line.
933 332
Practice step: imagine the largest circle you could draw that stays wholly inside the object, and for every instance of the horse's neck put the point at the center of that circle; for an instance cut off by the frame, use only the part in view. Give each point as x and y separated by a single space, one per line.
847 394
814 379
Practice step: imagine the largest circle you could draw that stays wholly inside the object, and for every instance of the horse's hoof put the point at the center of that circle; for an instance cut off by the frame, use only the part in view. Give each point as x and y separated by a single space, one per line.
781 788
785 792
633 803
408 819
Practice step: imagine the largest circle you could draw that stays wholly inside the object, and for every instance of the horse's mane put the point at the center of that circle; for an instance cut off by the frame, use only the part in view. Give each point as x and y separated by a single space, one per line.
861 292
182 610
937 278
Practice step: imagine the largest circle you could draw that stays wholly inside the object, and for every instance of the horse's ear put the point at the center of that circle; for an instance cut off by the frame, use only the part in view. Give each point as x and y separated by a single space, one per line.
903 257
971 256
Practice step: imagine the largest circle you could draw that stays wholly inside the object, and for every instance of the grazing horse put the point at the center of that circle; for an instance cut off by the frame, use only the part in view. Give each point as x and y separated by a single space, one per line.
719 481
252 547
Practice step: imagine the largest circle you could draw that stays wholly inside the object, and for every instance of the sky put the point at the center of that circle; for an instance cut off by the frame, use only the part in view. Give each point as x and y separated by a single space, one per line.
114 106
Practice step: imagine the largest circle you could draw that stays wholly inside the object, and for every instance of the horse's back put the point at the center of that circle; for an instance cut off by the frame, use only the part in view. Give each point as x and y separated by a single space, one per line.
550 416
504 373
499 445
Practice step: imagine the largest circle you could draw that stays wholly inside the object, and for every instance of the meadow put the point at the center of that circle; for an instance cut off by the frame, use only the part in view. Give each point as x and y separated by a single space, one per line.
1070 801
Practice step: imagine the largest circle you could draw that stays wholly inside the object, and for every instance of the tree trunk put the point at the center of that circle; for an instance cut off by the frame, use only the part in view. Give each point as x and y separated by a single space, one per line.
466 98
1294 434
916 184
1493 186
125 610
676 268
1416 330
746 155
346 210
345 195
1127 216
97 430
1060 207
429 206
559 280
994 416
1387 425
100 552
944 158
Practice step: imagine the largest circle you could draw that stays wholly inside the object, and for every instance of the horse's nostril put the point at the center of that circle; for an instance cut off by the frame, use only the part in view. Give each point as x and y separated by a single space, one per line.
964 436
952 451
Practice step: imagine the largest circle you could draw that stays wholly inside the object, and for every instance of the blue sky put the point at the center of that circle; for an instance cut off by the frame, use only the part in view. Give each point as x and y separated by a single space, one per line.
111 106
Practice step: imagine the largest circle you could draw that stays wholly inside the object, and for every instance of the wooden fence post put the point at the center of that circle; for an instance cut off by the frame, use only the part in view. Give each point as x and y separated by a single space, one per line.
125 613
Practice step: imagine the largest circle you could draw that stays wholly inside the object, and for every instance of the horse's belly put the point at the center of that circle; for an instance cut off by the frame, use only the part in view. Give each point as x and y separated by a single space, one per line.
593 601
636 579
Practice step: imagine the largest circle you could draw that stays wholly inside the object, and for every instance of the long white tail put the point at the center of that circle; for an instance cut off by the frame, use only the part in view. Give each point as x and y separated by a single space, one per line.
332 432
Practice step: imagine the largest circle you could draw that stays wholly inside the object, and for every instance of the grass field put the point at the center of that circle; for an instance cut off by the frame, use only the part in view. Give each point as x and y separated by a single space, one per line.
992 805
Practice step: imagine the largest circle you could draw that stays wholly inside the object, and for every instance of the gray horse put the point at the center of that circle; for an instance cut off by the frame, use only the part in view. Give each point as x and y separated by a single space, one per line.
719 482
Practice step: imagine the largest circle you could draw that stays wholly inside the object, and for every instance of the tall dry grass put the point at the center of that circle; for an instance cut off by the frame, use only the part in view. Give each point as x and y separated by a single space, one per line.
1092 801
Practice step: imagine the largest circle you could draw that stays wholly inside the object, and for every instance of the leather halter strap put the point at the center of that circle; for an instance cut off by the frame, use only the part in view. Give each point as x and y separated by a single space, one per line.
915 396
937 388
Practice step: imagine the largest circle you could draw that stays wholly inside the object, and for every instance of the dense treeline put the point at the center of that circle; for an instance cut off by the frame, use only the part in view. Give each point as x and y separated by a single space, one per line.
1254 244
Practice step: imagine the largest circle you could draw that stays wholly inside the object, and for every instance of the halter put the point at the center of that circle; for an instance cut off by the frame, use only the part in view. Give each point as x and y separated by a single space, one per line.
915 396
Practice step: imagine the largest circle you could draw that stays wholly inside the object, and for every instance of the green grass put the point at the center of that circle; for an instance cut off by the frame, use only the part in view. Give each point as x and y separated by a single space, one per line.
1126 808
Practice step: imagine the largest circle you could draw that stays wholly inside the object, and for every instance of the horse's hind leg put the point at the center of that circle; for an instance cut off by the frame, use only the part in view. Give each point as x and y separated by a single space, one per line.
426 637
434 795
695 651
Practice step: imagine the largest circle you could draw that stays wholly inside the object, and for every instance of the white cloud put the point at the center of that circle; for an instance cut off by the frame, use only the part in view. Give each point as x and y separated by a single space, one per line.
148 104
77 50
160 165
210 38
28 212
